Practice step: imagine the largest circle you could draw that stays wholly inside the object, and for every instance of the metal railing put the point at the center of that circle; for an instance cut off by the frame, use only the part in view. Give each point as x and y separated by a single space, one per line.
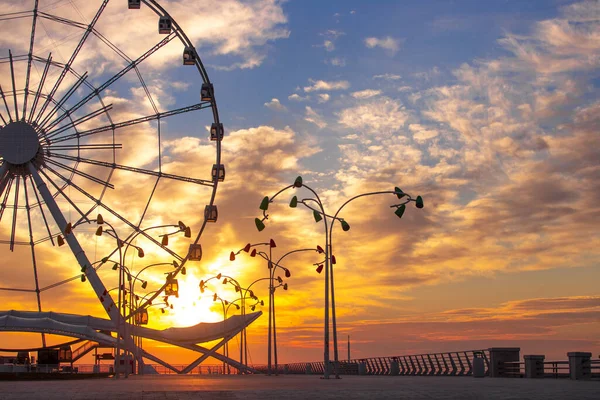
556 369
457 363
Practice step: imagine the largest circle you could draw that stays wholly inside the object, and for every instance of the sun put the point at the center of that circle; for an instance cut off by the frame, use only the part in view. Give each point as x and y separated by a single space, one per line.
190 307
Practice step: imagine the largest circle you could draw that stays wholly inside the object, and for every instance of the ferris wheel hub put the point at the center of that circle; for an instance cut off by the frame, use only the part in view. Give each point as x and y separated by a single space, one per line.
19 143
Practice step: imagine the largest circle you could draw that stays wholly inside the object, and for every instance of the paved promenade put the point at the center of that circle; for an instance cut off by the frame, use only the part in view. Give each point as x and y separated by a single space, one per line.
291 387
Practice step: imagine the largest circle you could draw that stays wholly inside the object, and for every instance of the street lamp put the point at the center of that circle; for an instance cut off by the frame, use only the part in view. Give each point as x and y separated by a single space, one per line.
272 331
316 206
245 294
225 305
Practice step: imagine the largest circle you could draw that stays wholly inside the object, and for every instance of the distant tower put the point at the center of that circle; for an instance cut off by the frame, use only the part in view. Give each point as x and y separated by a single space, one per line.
348 347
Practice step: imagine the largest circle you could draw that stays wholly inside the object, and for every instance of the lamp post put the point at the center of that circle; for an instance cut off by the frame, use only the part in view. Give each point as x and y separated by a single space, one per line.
316 206
121 322
272 331
225 305
242 299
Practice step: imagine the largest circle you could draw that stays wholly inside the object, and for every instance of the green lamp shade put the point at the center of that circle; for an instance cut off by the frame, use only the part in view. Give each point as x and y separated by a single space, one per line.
298 182
419 202
345 226
294 202
83 268
400 211
259 224
399 192
264 204
317 216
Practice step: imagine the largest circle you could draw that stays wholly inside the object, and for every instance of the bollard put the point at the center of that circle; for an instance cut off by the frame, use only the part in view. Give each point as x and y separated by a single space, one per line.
394 367
534 366
579 365
362 368
478 365
308 369
500 355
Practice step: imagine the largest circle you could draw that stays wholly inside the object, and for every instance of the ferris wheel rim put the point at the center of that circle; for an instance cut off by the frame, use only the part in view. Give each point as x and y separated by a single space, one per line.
67 181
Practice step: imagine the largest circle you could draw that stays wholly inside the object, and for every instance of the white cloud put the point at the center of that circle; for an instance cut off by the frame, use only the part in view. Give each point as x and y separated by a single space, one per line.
366 94
218 27
297 97
332 34
387 77
404 89
274 104
427 75
388 43
421 133
336 61
320 85
380 115
312 116
323 98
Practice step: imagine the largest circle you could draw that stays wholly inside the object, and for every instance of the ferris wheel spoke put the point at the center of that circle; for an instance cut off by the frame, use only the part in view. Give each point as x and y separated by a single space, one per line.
14 88
110 210
113 79
36 97
134 169
80 173
130 122
15 15
30 56
10 289
61 191
5 104
6 186
62 20
64 99
93 146
79 121
67 66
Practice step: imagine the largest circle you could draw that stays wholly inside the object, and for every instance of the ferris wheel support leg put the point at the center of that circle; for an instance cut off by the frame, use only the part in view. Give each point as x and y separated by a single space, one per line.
99 288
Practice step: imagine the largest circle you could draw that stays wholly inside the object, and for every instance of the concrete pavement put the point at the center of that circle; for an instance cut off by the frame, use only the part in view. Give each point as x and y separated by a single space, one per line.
292 387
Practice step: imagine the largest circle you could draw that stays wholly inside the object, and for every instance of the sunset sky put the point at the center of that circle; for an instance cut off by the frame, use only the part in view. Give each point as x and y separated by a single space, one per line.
488 109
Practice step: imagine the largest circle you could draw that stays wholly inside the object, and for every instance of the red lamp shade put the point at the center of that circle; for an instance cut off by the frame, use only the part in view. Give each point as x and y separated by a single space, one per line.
272 243
247 248
232 256
320 268
320 250
333 259
287 273
253 254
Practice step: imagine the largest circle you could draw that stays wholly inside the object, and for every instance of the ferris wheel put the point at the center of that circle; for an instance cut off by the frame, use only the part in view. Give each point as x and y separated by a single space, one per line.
106 113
